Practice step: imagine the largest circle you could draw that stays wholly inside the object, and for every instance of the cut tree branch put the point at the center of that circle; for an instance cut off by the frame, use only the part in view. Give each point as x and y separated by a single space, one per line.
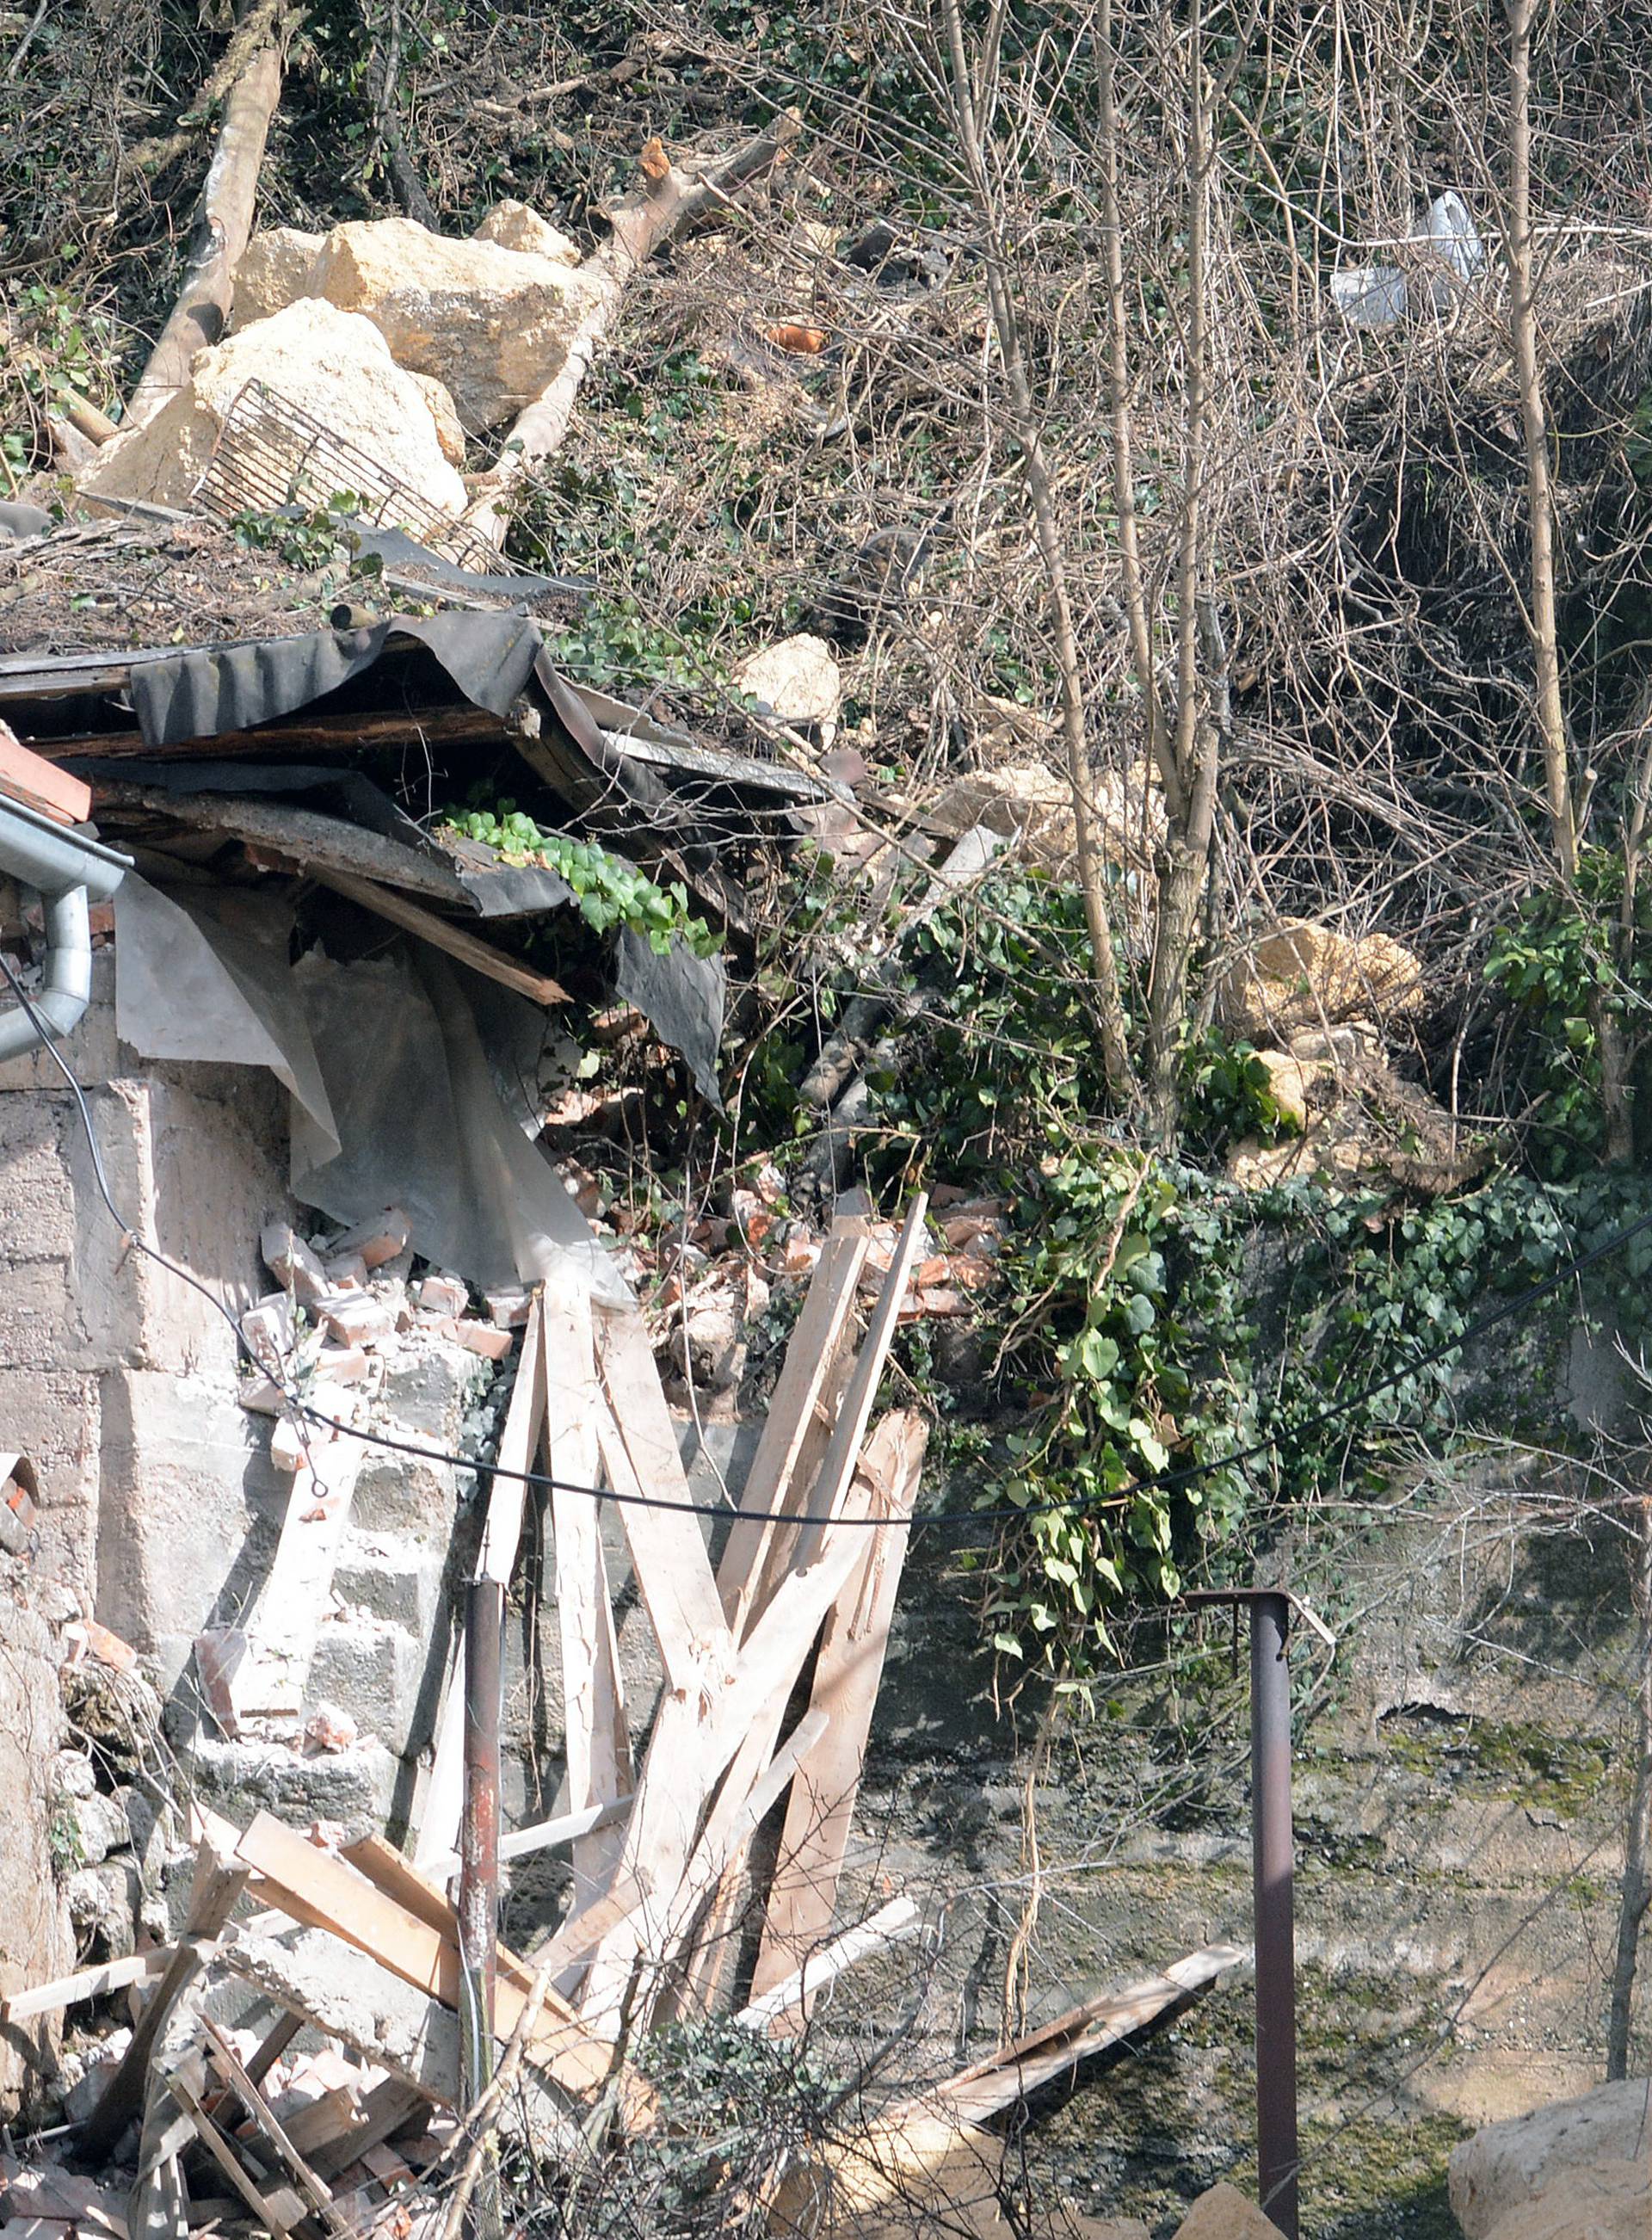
672 199
221 227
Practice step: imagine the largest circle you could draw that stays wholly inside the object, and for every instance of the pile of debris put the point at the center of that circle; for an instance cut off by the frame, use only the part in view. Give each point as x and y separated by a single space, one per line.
370 2078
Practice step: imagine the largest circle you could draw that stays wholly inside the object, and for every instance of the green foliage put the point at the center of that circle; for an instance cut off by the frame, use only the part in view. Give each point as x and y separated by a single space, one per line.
312 538
1564 965
609 890
50 339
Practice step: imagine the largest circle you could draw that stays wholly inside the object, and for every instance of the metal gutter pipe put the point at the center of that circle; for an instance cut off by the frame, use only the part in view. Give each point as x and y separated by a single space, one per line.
69 871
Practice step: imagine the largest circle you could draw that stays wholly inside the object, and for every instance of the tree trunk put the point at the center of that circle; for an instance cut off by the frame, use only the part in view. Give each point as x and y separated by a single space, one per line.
1191 811
670 201
1636 1889
1108 1000
1523 319
223 225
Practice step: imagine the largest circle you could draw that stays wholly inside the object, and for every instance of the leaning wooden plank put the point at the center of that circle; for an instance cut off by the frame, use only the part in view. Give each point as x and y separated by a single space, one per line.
696 1736
541 1835
639 1447
800 1415
518 1446
268 1683
595 1726
365 1917
848 1673
275 2041
389 1870
480 955
860 1395
311 2189
437 1825
217 1885
84 1984
774 2012
388 2107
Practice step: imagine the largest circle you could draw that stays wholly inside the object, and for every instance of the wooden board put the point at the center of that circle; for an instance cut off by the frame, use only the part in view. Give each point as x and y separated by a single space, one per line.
860 1395
848 1674
268 1683
349 1905
596 1725
519 1443
801 1413
480 955
774 2012
84 1984
639 1450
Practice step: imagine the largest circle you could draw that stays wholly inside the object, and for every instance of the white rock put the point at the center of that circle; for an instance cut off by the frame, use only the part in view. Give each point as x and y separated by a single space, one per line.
493 324
1224 2213
274 271
1307 976
512 225
335 366
449 432
799 678
1506 2165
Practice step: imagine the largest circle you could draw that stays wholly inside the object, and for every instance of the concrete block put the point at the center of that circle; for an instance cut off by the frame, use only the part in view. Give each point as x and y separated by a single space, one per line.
371 1670
398 1493
354 1787
186 1478
394 1575
52 1415
430 1384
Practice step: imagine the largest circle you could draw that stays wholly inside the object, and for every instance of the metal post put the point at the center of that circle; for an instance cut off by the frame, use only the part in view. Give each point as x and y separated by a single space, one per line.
1271 1848
478 1907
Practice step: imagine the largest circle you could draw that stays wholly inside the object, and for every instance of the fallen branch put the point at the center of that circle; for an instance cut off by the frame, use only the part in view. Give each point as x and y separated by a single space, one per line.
223 221
671 199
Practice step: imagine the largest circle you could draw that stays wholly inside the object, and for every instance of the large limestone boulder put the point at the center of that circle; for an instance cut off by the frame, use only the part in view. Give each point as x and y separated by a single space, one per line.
515 226
492 324
799 679
333 364
1224 2213
1308 975
1610 2201
1032 804
274 271
1506 2167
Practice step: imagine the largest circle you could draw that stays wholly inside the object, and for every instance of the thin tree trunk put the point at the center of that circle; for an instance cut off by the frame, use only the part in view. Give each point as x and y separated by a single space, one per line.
1196 750
670 200
218 237
1522 315
1636 1889
1109 1002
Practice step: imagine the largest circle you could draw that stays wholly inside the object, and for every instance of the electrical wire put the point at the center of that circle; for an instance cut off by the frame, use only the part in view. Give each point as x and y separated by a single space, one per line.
1161 1481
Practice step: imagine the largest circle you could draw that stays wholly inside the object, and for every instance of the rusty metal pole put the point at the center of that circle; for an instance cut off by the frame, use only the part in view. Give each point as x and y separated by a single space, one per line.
479 1824
1273 1869
478 1907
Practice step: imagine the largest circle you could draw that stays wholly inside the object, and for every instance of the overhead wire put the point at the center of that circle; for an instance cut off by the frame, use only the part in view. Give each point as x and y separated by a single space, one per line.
1187 1474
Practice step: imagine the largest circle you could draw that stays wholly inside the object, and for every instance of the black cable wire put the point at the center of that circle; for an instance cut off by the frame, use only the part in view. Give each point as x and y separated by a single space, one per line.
1164 1480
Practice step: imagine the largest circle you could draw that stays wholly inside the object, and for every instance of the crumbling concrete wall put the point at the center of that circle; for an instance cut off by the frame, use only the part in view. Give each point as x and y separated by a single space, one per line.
118 1378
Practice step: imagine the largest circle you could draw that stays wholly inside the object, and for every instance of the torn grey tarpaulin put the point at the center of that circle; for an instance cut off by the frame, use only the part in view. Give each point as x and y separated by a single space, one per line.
422 1126
682 997
397 549
394 1101
203 693
211 982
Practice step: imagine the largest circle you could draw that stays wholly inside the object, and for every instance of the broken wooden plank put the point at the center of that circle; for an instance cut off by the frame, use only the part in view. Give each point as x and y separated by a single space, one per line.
216 1887
279 2037
639 1446
849 1671
278 2212
351 1908
437 1829
335 2115
268 1683
800 1415
480 955
597 1741
388 2107
774 2010
84 1984
311 2189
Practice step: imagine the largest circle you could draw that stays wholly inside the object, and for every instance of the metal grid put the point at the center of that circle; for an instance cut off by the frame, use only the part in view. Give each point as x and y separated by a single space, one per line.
272 455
